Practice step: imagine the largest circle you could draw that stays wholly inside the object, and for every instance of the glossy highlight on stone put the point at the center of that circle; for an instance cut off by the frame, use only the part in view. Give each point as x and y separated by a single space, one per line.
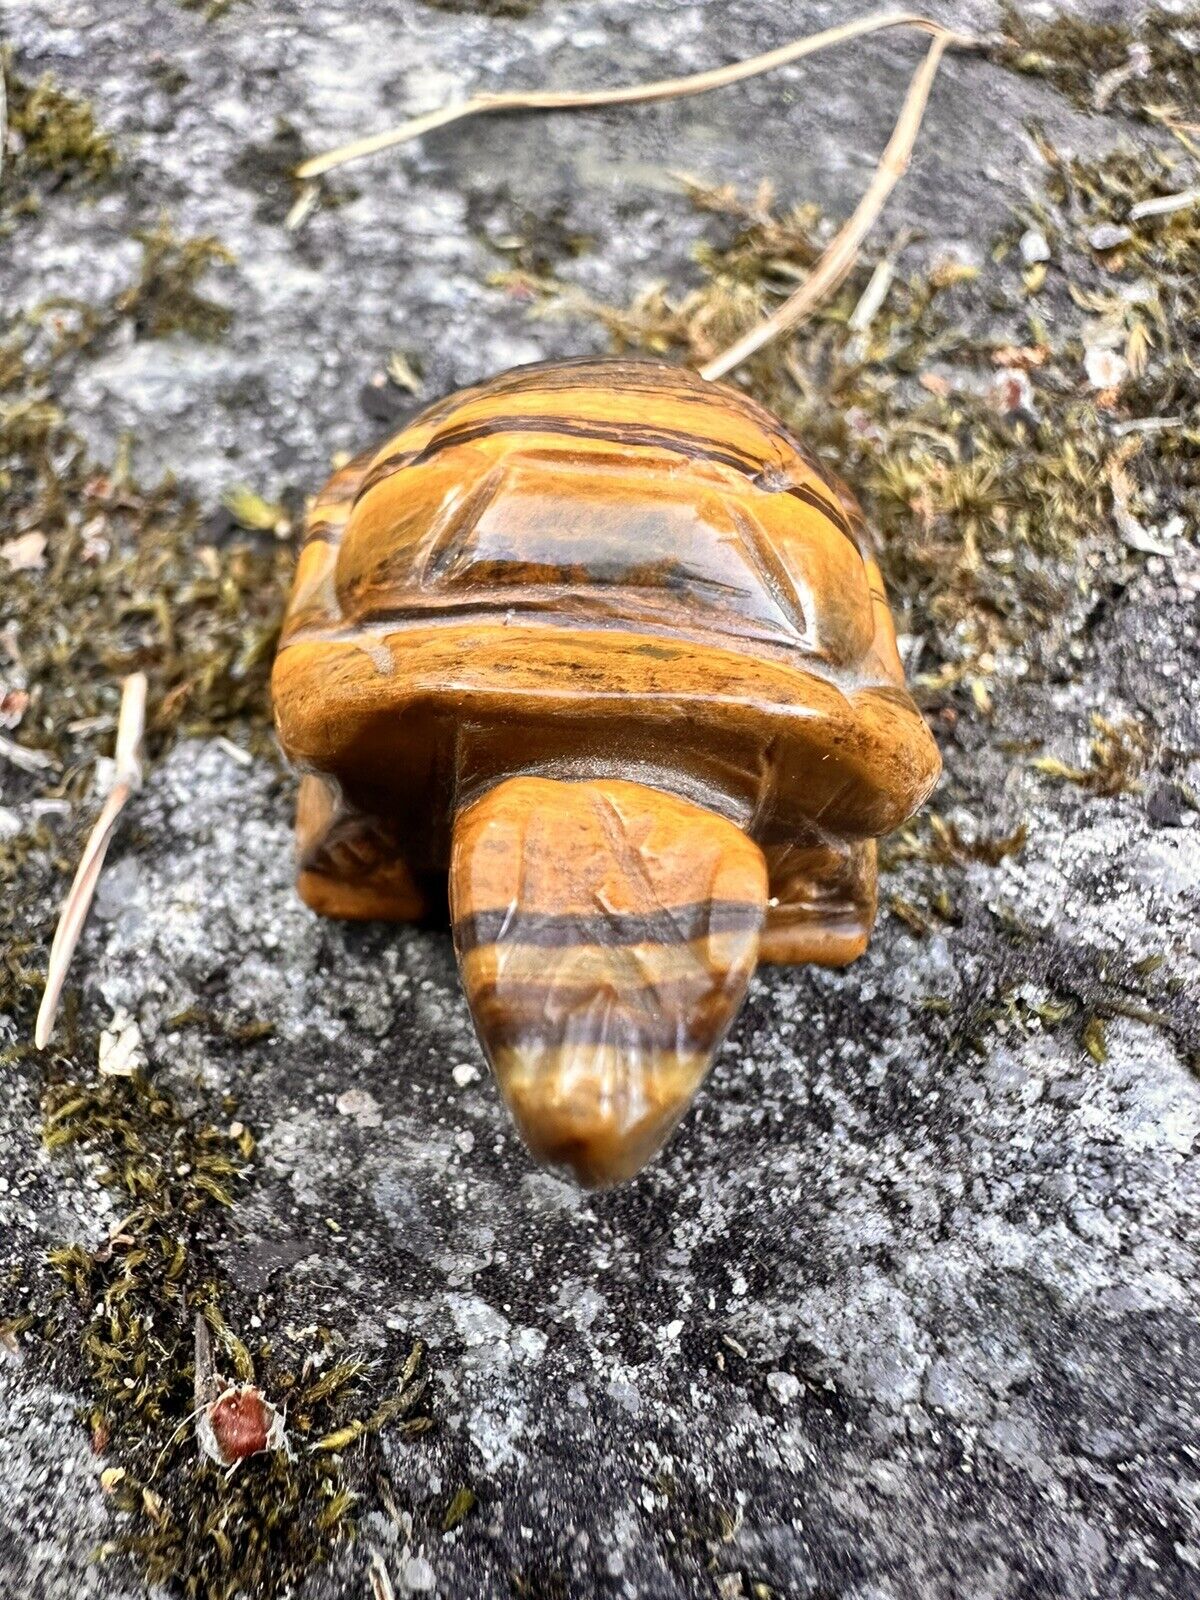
602 646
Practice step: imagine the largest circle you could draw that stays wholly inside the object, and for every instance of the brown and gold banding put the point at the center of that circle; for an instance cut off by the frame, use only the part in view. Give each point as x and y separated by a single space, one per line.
823 899
858 757
348 866
624 437
606 932
590 573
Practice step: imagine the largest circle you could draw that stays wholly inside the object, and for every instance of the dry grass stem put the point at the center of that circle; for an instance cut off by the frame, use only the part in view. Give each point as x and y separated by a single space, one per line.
1164 205
130 728
842 253
872 296
3 119
381 1583
631 94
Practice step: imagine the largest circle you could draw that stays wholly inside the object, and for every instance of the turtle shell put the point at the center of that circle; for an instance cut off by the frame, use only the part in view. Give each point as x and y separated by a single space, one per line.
599 567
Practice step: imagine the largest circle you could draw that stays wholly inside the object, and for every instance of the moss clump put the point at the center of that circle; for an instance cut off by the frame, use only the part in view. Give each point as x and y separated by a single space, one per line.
128 1309
1146 292
1149 68
128 581
1079 990
511 10
135 1297
213 9
931 839
999 483
1117 756
56 133
29 870
166 298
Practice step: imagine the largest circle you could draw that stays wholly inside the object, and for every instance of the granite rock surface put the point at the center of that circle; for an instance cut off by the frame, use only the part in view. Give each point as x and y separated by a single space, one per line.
908 1308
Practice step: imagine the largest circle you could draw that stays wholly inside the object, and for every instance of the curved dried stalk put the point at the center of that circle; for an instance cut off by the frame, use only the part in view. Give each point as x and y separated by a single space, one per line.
130 727
837 260
630 94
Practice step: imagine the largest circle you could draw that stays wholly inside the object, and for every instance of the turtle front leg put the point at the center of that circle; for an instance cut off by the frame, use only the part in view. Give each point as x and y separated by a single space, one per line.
347 865
822 905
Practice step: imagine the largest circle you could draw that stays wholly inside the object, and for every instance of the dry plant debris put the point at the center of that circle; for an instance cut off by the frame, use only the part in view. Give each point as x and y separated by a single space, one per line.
836 260
1148 67
129 1307
127 780
105 577
51 134
1006 489
1117 755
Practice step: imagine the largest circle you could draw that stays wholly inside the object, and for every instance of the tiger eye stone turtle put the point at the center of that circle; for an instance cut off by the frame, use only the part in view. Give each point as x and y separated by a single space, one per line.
605 646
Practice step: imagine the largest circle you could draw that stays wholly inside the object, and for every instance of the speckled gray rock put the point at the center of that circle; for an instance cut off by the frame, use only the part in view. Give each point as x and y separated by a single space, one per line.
403 263
922 1320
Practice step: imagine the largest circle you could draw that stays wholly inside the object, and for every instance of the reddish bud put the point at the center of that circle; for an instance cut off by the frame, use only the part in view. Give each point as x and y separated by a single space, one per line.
239 1423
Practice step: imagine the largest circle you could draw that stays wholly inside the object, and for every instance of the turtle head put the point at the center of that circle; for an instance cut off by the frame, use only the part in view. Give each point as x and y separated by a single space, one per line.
606 932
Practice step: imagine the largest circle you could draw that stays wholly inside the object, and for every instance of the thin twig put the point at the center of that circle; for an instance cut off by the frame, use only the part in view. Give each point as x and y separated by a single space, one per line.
130 727
26 759
631 94
381 1583
1164 205
837 260
842 253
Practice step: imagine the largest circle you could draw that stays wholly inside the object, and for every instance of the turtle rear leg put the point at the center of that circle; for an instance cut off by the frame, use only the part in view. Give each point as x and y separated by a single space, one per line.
606 933
822 906
347 865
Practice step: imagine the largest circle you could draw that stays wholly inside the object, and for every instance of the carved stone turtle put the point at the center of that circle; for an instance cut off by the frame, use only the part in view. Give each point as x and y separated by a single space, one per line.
602 643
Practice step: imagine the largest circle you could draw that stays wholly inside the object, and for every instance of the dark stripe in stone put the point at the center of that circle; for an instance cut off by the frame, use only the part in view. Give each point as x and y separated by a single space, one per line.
630 434
586 374
650 1030
678 925
324 531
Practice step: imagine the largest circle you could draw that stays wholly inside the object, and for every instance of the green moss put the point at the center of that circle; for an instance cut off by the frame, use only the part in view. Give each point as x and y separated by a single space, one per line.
213 10
56 133
931 839
1116 757
135 1297
461 1505
1149 68
28 868
1149 287
128 1310
166 298
512 10
129 581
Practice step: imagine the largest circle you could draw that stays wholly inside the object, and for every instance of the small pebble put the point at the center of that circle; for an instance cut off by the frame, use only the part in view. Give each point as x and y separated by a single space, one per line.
360 1105
121 1054
417 1575
1108 235
1034 246
1164 806
784 1386
1106 369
